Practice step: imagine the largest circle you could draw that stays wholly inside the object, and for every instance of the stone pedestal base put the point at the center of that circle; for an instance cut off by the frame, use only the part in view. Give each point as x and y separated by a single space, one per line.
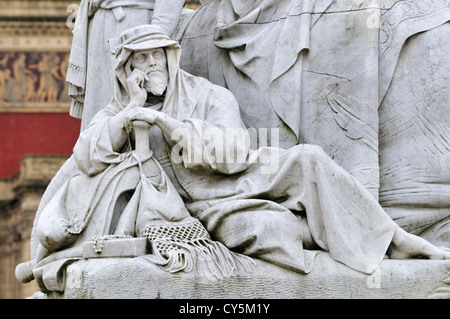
133 278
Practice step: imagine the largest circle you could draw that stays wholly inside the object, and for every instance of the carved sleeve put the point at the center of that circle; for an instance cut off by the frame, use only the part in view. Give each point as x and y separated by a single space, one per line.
215 138
95 149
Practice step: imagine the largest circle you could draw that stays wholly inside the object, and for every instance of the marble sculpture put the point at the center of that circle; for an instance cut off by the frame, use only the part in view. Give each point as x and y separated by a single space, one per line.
252 140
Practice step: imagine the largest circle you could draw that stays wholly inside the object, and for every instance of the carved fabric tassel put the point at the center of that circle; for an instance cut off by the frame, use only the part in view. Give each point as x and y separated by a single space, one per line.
176 246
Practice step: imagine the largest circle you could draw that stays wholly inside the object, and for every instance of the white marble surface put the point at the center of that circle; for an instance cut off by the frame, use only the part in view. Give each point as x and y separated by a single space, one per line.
368 82
343 89
97 278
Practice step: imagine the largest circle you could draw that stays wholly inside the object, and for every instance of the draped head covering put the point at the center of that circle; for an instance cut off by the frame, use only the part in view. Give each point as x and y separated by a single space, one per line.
183 88
157 211
140 38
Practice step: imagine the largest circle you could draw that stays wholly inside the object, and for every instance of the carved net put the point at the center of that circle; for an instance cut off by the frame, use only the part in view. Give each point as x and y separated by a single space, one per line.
165 236
176 246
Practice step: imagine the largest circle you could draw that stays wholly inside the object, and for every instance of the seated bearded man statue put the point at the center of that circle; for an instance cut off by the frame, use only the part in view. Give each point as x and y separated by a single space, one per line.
185 168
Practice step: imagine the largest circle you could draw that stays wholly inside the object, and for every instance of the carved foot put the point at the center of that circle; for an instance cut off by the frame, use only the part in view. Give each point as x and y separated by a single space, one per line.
408 246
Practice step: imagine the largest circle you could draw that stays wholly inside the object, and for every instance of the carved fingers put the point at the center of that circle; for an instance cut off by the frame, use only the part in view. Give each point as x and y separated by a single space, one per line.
139 114
135 85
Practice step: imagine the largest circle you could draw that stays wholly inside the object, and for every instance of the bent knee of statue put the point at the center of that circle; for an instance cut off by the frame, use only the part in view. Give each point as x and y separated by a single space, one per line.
309 151
307 154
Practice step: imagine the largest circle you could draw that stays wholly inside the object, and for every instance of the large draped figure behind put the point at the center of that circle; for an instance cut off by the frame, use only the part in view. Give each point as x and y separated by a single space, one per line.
327 72
274 56
99 23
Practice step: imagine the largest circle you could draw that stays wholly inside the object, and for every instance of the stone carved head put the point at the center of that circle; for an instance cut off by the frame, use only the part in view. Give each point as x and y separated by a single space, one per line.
148 48
153 63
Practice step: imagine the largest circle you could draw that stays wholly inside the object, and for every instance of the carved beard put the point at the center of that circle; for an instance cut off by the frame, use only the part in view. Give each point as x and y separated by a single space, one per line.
157 84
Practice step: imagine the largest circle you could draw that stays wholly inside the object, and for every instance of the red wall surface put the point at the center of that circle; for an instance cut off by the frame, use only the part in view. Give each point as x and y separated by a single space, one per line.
34 133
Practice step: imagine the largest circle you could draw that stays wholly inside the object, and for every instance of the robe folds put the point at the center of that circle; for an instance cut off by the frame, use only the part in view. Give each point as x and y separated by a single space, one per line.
258 206
320 71
258 202
97 26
